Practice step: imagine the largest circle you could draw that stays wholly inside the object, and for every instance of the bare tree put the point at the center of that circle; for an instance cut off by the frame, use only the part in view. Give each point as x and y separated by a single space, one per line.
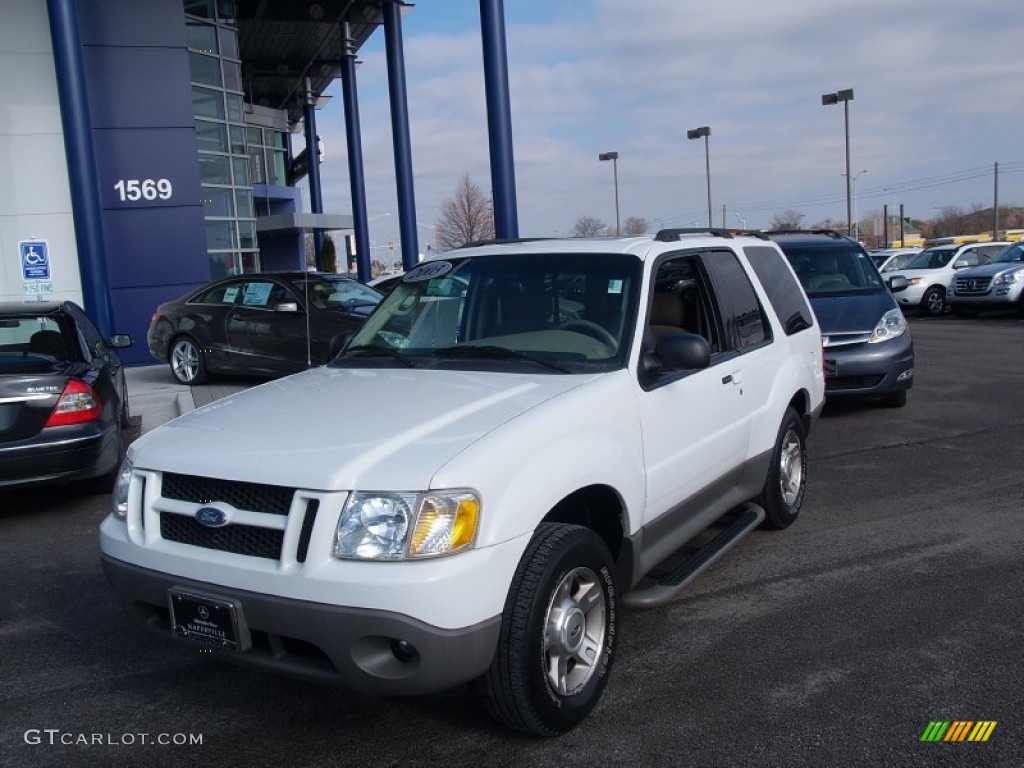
634 225
588 226
787 220
829 223
465 217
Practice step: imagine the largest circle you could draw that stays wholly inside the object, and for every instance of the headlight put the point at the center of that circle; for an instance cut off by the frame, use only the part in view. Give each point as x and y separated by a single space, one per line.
119 498
891 325
915 281
1009 278
400 526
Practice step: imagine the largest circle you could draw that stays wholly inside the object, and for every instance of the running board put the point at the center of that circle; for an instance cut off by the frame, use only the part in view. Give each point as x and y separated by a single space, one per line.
670 585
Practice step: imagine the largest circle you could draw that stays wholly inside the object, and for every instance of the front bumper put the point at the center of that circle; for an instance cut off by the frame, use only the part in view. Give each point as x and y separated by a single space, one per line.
869 370
371 651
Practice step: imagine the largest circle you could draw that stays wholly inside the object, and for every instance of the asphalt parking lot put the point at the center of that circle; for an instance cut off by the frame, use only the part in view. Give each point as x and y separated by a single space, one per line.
896 600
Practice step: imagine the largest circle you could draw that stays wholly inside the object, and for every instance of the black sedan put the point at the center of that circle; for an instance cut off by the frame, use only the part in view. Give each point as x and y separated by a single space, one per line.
265 324
63 397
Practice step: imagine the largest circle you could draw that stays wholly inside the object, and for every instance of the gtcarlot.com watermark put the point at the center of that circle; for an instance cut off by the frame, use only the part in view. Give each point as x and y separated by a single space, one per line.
53 737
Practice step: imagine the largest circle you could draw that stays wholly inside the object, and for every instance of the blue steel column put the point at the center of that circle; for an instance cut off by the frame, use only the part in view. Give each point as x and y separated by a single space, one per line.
400 133
357 177
499 119
316 204
82 174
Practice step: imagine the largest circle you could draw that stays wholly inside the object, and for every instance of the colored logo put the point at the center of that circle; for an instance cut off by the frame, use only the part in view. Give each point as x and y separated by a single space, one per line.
958 730
211 517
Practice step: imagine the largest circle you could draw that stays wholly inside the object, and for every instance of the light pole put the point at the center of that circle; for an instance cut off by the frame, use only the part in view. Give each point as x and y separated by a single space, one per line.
845 96
614 157
697 133
856 221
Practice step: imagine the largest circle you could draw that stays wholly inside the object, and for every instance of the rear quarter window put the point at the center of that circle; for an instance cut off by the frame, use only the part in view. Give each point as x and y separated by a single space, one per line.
784 292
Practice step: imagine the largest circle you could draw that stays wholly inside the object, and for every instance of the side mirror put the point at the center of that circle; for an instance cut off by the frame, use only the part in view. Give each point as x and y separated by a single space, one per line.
683 351
287 306
119 341
898 283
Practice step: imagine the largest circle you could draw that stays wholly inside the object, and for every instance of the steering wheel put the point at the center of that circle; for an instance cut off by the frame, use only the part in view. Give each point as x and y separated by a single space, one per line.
591 329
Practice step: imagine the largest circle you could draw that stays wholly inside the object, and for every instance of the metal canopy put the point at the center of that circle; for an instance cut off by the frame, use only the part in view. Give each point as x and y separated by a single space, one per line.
282 42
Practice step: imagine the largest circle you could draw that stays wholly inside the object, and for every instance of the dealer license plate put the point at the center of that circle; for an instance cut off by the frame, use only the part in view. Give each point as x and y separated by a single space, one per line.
204 620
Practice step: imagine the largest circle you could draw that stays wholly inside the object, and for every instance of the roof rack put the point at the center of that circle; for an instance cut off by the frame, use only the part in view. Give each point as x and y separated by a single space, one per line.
504 241
671 235
825 232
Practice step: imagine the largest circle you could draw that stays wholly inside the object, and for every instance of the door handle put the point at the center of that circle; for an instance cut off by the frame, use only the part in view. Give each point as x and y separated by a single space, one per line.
732 378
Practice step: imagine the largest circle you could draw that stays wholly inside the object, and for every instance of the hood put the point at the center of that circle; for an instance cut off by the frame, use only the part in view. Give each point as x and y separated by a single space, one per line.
337 429
851 313
990 270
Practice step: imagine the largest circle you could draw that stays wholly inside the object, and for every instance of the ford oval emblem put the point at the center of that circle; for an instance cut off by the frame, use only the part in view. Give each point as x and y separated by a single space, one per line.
211 517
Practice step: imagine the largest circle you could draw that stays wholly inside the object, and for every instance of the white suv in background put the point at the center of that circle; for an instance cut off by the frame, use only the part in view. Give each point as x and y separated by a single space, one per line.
490 470
932 270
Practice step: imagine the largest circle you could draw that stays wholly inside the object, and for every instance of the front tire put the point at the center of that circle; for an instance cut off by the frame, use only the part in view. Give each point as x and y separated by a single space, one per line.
784 487
557 636
187 362
933 303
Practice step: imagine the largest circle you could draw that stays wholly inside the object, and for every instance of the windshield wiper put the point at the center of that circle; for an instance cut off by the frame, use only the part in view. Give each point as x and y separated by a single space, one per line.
497 353
369 350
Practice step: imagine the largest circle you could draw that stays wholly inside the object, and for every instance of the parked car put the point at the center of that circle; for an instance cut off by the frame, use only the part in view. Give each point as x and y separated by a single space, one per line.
996 285
265 324
932 270
869 352
890 259
531 428
63 397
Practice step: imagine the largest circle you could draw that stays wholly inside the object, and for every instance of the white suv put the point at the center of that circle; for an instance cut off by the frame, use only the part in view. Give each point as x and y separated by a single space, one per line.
930 273
471 491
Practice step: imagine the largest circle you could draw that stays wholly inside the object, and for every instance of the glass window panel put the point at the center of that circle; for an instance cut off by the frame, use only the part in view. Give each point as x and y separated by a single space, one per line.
207 103
275 168
232 75
276 139
201 37
229 43
226 10
202 8
218 202
256 167
235 107
214 169
247 234
205 69
222 265
241 166
243 200
237 137
254 137
220 235
211 137
251 261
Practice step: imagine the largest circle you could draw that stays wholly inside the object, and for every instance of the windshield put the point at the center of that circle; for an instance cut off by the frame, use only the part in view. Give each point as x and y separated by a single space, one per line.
1013 252
833 269
932 258
328 293
546 313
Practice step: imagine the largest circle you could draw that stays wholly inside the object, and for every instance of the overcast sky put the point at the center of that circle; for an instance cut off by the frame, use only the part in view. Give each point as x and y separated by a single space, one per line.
939 98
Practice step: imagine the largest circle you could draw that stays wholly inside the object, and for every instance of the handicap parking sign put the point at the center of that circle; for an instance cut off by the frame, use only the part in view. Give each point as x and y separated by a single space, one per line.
35 259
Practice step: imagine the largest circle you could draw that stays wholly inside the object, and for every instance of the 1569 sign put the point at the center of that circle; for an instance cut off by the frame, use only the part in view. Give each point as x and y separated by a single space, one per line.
133 190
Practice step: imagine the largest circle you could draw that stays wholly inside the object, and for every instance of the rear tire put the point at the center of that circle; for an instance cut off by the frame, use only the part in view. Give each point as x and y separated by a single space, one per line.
187 361
557 636
933 303
784 487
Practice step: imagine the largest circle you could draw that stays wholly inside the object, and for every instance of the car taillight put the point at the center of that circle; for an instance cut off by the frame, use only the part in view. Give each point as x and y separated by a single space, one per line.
78 403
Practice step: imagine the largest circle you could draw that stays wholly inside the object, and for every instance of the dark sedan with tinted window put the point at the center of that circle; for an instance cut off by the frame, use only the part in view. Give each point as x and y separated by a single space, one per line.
63 398
266 324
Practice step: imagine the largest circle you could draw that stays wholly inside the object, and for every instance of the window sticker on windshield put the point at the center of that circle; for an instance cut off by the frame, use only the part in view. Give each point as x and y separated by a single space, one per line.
427 271
614 286
231 294
256 294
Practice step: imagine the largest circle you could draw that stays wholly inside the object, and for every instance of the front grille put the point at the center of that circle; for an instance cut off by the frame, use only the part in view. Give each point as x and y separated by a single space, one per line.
238 539
255 497
972 286
853 382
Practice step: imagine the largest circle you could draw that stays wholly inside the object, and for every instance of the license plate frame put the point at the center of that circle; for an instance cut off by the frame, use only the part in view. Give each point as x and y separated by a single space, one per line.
209 621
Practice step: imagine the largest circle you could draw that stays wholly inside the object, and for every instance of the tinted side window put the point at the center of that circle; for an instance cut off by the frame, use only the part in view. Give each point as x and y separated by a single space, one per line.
784 292
743 310
221 294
